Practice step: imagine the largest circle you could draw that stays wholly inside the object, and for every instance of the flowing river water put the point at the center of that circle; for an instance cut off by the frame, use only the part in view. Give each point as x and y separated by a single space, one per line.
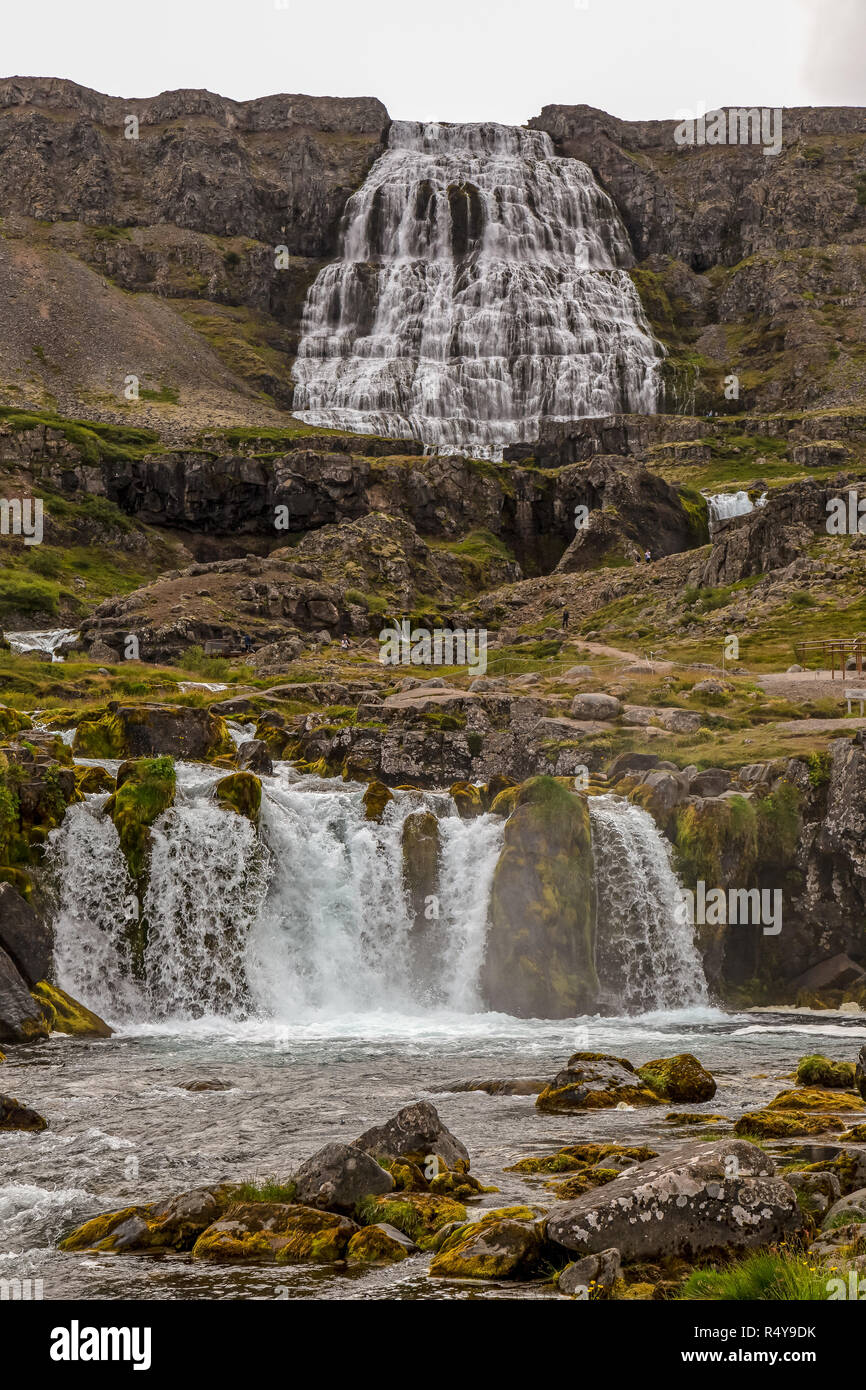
280 965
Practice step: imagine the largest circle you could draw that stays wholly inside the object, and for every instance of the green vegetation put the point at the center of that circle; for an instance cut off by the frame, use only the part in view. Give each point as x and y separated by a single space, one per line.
265 1190
766 1275
145 789
95 442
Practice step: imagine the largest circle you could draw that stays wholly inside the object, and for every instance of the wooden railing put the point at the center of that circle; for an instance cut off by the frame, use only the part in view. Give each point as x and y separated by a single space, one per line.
833 652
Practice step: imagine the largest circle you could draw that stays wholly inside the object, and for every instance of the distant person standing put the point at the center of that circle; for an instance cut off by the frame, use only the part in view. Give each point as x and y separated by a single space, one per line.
647 556
565 619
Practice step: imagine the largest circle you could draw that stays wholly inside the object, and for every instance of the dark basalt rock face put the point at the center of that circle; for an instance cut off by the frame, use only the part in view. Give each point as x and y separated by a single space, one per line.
278 169
718 204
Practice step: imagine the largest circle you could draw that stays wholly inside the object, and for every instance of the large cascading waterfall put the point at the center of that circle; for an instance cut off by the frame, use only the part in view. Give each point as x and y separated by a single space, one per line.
646 956
481 289
308 920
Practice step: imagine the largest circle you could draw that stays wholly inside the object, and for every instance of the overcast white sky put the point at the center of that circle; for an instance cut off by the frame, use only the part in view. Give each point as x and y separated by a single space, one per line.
456 60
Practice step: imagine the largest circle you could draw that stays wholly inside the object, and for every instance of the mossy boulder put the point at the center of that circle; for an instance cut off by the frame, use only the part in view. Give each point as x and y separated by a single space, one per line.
418 1215
498 783
680 1079
783 1124
815 1099
175 1224
412 1135
593 1081
275 1233
419 842
857 1134
468 799
376 799
576 1157
540 958
146 731
848 1165
240 792
12 721
379 1245
65 1015
93 779
491 1249
585 1181
145 788
504 802
816 1070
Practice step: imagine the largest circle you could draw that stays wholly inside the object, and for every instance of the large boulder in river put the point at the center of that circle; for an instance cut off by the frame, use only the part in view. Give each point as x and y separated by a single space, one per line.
144 731
338 1176
25 937
415 1132
174 1224
594 1081
495 1247
695 1199
275 1233
540 953
679 1079
21 1018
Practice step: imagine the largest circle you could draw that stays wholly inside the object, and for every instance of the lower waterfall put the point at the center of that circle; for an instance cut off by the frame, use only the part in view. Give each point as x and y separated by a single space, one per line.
310 919
646 957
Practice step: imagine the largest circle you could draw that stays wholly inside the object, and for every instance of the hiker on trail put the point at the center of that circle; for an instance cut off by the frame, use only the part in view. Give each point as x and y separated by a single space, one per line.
247 642
564 619
647 556
344 642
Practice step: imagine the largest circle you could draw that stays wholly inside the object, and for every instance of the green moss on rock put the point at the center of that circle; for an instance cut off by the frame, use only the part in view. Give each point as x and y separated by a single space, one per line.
240 792
816 1070
376 799
418 1215
145 788
679 1079
540 959
65 1015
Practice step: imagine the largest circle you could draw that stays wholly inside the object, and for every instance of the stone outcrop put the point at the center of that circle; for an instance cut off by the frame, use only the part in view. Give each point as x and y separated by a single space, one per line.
695 1199
539 961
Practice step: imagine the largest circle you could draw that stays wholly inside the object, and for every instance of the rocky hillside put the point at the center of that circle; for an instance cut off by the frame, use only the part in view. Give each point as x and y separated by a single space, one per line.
156 255
747 263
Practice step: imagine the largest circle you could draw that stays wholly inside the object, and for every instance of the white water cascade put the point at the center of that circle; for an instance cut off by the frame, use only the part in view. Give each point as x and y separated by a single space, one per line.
724 505
646 956
309 920
46 640
481 289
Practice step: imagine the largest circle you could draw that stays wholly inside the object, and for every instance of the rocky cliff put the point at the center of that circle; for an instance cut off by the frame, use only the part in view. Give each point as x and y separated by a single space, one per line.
747 263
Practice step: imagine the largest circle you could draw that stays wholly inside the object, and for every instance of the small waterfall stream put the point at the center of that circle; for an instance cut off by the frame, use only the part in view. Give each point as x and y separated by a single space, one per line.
724 505
480 290
645 953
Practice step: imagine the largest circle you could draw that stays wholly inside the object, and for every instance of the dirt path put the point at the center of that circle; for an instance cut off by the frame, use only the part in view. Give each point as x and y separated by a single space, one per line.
811 685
